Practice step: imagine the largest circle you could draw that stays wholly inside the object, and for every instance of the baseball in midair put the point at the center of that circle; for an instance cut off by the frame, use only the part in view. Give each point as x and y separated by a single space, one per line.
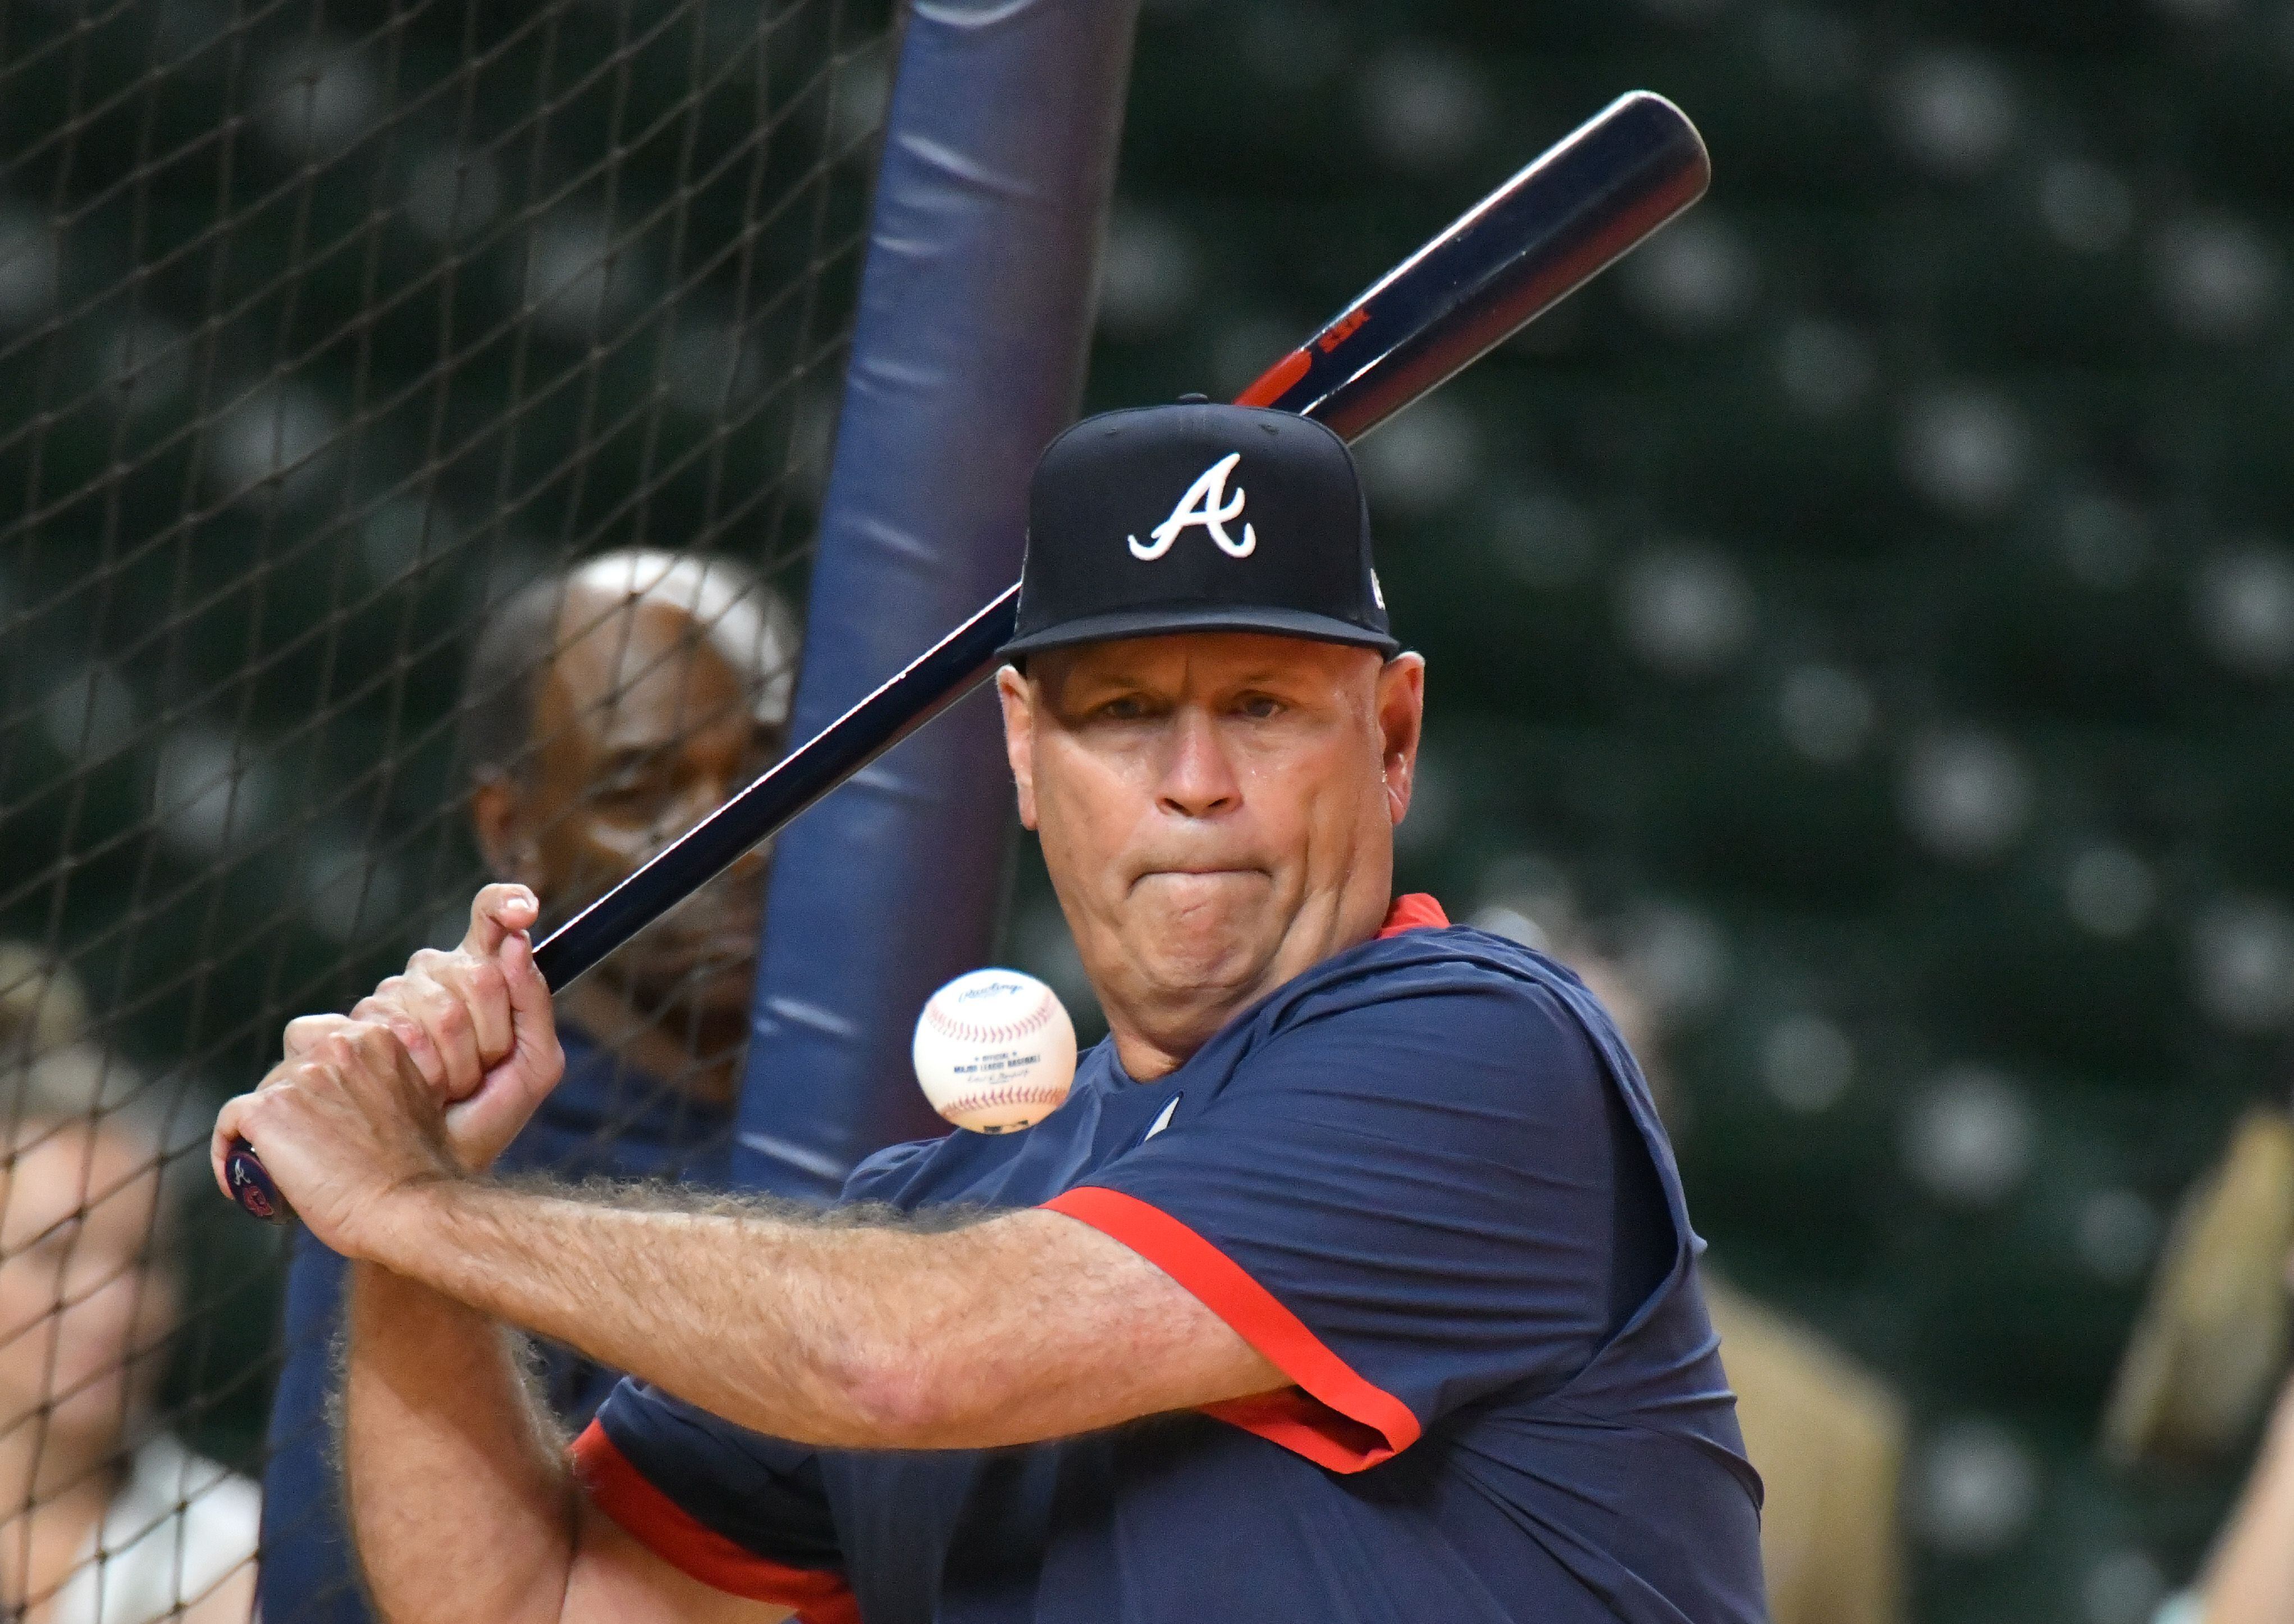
995 1051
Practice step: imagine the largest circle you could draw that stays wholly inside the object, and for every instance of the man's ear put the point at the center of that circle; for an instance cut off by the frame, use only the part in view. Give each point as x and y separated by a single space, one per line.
498 824
1019 738
1400 724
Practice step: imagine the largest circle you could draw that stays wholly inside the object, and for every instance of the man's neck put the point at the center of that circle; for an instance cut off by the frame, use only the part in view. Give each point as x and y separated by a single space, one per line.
704 1066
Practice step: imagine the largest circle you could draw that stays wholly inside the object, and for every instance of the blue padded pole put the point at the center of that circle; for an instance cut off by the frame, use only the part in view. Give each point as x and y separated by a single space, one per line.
968 356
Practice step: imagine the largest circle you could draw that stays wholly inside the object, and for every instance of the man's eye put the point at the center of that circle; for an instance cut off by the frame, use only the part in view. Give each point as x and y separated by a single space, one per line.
1129 708
1260 706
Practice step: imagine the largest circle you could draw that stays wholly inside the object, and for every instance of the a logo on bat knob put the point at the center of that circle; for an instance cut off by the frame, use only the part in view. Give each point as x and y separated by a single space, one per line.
250 1185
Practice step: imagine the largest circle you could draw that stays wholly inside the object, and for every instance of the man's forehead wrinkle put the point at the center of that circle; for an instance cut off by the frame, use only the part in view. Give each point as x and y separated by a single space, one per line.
651 729
603 662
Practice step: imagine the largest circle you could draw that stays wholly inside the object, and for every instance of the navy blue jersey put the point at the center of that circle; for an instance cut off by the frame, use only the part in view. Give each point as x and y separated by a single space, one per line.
1425 1179
602 1119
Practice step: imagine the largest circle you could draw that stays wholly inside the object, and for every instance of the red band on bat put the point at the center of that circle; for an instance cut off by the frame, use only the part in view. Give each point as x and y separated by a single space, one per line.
1277 380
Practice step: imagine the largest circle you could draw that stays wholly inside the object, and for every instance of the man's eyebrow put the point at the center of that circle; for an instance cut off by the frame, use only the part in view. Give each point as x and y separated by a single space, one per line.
1076 678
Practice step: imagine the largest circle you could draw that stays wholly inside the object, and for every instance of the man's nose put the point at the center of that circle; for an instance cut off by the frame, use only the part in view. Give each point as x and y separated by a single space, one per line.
1199 781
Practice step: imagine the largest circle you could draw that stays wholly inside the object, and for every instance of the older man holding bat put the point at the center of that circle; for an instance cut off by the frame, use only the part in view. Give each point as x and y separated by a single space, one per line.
1354 1281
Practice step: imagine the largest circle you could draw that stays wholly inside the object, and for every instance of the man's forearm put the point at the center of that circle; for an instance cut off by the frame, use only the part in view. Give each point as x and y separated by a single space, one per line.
460 1502
1023 1327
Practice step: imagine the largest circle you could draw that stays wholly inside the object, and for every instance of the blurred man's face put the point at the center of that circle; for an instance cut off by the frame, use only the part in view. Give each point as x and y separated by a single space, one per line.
84 1312
1216 809
646 723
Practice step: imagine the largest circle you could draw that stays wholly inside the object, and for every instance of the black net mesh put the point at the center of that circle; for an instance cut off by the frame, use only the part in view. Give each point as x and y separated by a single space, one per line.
328 330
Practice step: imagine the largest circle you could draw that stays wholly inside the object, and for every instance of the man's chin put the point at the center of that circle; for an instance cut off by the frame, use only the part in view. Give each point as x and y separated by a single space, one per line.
1195 949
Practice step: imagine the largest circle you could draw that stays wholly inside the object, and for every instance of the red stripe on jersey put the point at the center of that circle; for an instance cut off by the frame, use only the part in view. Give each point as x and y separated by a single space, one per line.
1415 912
663 1527
1340 1420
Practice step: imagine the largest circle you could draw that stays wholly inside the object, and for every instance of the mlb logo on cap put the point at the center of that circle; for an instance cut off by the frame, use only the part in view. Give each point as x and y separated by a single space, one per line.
1197 518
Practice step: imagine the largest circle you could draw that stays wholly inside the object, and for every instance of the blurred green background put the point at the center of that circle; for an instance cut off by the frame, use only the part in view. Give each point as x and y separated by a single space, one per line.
1868 611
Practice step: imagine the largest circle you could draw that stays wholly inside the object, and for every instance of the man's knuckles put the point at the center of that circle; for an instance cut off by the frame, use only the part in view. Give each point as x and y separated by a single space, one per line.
449 1017
305 1030
351 1055
479 980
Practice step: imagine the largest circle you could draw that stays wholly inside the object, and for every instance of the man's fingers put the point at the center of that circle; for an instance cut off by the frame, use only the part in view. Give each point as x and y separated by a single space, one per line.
496 912
385 1006
304 1032
482 1123
477 984
451 1029
225 1135
325 1036
532 1019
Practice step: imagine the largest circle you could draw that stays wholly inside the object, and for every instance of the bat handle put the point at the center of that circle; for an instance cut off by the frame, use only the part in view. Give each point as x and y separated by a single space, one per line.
252 1186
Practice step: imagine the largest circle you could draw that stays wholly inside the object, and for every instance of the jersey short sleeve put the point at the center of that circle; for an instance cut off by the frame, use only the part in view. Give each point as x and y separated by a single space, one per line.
740 1512
1408 1196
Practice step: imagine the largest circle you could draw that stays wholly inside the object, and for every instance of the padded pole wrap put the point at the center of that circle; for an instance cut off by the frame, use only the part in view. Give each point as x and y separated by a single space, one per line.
968 356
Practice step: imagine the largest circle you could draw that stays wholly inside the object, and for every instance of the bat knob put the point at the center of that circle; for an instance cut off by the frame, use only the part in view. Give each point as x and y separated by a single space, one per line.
252 1186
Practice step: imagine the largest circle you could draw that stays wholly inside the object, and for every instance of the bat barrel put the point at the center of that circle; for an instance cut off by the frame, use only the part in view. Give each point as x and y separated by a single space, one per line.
1539 238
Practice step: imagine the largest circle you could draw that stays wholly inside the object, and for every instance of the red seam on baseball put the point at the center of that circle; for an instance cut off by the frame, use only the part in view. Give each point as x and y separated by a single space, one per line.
1011 1093
963 1031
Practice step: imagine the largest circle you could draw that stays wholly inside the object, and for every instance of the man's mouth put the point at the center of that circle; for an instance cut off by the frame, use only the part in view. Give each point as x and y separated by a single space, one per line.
1198 874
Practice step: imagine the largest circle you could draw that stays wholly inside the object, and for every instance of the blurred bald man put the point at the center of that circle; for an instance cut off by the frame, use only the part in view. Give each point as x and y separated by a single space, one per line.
605 711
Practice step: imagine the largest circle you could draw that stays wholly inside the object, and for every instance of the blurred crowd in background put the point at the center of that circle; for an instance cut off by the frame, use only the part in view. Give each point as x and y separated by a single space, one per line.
1861 639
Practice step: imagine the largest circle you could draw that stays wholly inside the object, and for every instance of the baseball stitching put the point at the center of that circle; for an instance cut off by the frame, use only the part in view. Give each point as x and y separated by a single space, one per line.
1011 1093
965 1032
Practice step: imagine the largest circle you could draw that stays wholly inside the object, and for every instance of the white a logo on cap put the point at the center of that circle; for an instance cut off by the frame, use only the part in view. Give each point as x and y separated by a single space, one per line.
1205 504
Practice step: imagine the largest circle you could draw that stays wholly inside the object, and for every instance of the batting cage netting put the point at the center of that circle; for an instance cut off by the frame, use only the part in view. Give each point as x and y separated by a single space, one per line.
332 335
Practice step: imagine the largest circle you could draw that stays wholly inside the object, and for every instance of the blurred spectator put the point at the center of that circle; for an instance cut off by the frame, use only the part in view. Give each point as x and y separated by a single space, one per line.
2212 1338
1826 1439
108 1519
2250 1580
605 711
2197 1373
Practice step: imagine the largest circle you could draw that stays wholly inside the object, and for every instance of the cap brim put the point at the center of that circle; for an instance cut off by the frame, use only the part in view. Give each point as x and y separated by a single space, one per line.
1167 622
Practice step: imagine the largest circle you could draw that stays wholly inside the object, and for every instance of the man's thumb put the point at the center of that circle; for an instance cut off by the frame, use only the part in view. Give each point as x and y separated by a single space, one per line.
497 912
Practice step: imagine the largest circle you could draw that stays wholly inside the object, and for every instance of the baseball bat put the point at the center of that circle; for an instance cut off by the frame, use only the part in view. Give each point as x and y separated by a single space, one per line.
1530 244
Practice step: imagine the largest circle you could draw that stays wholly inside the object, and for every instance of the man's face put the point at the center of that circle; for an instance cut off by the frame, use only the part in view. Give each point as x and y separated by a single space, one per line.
644 725
1217 810
84 1314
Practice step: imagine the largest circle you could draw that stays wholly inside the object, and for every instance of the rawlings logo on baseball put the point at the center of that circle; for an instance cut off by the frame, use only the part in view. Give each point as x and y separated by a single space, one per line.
995 1051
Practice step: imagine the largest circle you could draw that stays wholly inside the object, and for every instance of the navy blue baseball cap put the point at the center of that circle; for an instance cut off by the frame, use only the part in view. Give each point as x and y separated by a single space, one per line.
1197 518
